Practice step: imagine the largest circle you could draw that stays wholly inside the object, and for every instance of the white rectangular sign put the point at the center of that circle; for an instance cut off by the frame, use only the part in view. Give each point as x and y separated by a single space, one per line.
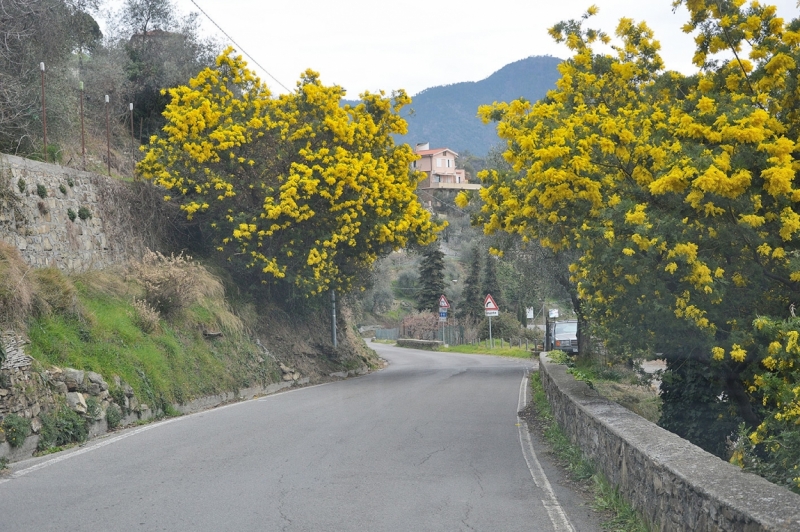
492 312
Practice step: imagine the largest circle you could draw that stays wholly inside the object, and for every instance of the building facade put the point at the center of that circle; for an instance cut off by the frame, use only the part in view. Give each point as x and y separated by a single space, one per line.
439 166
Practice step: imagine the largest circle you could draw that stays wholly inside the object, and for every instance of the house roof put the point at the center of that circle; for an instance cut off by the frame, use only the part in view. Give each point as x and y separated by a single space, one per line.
435 151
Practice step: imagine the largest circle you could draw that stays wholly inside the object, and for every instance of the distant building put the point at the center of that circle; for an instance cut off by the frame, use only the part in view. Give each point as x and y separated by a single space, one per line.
439 166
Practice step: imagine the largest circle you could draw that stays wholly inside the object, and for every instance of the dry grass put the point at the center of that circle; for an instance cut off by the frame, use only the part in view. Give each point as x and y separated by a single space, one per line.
170 283
111 282
54 292
144 316
16 287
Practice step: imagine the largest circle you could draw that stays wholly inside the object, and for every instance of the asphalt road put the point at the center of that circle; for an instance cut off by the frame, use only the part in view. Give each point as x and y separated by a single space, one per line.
430 443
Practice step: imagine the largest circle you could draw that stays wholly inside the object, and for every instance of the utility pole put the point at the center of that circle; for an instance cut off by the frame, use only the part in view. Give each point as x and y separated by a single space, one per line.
44 112
108 139
83 134
333 317
133 143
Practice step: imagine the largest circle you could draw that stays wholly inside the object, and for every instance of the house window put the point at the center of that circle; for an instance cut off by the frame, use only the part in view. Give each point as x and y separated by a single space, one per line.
413 164
438 163
448 162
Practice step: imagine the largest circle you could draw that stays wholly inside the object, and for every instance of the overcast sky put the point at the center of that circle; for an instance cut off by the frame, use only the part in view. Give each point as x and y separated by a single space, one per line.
374 44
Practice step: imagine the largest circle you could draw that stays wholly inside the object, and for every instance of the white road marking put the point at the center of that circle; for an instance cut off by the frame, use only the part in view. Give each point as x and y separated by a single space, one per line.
92 446
550 502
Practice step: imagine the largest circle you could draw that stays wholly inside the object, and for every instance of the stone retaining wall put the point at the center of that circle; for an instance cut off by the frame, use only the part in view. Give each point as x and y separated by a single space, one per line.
432 345
48 231
676 485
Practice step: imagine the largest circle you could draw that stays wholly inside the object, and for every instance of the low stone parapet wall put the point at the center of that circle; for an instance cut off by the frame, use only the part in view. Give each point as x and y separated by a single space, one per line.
431 345
675 485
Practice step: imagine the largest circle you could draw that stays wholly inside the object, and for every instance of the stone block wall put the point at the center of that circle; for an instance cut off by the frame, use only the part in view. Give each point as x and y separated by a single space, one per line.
676 485
41 228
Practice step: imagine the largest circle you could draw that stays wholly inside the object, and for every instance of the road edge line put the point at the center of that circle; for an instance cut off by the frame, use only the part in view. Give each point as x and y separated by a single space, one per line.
554 510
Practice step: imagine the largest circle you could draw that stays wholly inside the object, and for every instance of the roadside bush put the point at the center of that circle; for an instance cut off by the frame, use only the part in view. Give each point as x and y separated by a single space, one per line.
175 284
62 427
169 282
113 416
17 428
503 326
145 316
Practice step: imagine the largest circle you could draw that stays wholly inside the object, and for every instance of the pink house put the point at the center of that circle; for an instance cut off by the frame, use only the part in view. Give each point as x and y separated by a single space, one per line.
439 166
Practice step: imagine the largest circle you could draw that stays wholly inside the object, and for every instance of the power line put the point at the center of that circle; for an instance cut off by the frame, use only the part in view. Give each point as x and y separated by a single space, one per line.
240 47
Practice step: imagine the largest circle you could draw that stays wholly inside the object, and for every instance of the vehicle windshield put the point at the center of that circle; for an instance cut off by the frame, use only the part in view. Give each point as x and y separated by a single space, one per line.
566 327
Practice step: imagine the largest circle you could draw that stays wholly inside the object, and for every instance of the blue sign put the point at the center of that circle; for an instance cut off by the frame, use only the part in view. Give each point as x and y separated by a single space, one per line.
442 313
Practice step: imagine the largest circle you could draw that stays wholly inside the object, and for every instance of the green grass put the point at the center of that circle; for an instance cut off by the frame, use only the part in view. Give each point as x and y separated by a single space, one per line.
607 498
173 364
481 349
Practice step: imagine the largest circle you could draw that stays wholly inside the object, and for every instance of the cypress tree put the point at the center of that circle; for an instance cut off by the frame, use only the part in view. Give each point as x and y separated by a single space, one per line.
472 306
431 278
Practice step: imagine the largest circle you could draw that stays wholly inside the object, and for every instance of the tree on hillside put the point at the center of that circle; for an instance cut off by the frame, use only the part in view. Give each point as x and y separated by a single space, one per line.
34 31
162 50
678 193
431 278
302 190
472 304
490 284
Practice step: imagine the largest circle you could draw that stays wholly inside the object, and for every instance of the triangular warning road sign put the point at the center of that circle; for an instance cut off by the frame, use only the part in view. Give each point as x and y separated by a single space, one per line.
443 302
489 303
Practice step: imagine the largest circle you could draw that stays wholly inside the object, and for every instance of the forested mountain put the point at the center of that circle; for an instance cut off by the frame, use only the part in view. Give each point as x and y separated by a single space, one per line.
446 115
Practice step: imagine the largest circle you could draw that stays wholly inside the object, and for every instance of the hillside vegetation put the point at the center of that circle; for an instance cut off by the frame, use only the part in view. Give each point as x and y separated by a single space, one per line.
166 327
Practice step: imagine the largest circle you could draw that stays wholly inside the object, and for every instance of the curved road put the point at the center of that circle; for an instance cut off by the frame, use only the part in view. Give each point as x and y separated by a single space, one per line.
430 443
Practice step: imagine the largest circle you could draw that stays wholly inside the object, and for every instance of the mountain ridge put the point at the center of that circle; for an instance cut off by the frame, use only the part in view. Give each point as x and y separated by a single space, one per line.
446 115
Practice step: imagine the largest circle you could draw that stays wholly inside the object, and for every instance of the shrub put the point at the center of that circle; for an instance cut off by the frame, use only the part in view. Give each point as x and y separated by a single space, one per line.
84 213
17 429
70 182
145 316
113 416
118 395
503 326
71 214
170 283
61 427
63 189
93 408
41 191
21 185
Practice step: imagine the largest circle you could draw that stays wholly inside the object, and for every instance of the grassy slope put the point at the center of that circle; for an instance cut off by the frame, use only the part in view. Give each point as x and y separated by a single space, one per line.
174 363
92 324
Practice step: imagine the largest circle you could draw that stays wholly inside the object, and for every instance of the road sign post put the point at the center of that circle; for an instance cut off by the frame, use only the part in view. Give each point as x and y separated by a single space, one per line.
443 306
491 309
